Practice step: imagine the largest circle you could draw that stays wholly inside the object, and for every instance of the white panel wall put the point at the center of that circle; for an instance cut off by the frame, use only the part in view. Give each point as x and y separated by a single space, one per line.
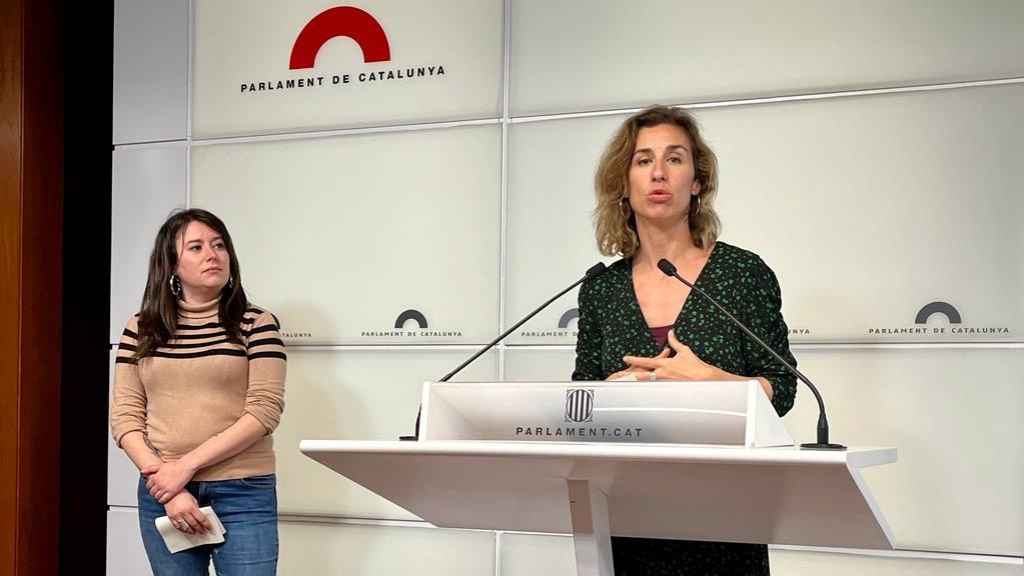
355 204
601 54
122 475
125 553
871 208
320 549
353 395
371 226
550 206
950 413
539 364
868 209
150 70
149 182
330 548
531 554
807 562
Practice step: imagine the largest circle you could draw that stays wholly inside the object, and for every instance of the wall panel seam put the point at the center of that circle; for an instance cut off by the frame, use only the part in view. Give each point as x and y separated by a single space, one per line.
143 144
507 118
797 97
299 134
906 553
189 69
503 185
570 347
472 347
497 552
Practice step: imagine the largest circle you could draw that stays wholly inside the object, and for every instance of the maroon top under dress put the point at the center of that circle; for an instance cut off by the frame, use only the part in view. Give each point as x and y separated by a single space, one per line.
660 334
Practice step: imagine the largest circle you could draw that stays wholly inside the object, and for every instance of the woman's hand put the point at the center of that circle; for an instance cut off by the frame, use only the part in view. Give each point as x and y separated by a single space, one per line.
166 479
685 365
183 512
638 373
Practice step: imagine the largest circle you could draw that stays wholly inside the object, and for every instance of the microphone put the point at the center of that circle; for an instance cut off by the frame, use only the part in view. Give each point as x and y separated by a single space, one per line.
822 444
592 272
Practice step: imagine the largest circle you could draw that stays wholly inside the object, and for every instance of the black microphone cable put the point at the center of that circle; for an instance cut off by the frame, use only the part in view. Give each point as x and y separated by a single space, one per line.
592 272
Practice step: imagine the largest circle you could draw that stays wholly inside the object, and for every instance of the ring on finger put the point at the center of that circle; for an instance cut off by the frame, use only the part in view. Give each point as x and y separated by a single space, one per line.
654 376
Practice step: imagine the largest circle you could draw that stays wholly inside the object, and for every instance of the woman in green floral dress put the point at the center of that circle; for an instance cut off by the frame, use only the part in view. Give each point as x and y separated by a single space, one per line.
656 186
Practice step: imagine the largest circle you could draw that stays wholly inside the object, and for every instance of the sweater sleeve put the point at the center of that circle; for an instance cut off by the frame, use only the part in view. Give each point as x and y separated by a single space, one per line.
588 341
128 404
765 319
264 398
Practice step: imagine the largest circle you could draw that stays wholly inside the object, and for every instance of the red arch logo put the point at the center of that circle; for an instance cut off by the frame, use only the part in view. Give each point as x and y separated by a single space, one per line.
347 21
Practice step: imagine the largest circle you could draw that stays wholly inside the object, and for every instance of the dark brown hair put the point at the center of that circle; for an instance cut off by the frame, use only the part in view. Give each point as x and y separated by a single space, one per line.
158 317
615 222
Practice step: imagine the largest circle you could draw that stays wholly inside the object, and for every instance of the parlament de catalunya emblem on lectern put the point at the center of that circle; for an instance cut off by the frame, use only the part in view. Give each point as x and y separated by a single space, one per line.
579 405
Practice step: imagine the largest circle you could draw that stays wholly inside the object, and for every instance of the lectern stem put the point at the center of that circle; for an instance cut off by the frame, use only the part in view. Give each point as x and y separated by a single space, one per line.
591 536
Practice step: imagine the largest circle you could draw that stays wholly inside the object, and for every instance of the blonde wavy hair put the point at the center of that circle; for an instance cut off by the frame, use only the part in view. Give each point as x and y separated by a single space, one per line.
614 219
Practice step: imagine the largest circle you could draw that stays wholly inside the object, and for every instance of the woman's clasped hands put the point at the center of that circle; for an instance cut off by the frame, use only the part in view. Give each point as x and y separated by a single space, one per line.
166 483
683 365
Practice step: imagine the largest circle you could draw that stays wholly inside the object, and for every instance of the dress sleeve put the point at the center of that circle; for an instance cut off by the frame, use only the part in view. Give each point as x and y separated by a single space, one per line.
588 341
764 317
128 403
264 399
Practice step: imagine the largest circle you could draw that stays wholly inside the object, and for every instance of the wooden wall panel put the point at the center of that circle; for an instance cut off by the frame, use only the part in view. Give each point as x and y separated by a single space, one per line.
10 265
31 189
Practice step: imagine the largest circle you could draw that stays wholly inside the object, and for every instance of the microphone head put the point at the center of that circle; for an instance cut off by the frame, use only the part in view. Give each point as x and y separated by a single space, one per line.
595 269
667 267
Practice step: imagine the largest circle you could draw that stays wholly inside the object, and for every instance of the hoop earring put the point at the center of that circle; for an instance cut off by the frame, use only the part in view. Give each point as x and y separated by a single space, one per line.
627 214
697 209
175 283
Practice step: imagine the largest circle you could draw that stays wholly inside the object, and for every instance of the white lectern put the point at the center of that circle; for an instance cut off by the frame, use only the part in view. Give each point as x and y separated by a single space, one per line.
702 461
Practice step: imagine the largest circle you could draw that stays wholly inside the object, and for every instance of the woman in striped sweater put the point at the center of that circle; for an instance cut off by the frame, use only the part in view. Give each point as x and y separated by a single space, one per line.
198 390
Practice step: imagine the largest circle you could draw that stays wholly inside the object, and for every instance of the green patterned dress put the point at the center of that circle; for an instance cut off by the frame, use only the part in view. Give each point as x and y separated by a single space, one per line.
611 325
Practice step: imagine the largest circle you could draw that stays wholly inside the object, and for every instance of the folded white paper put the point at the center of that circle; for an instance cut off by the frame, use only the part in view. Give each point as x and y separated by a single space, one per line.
177 540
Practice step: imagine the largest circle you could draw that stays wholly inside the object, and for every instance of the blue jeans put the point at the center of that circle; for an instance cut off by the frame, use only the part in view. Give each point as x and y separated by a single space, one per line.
248 509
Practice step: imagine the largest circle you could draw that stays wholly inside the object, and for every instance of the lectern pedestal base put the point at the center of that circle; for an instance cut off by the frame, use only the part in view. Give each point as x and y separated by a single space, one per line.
591 537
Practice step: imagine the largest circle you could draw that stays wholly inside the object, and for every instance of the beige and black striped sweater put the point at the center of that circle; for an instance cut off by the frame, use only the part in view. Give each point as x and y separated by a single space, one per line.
199 384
